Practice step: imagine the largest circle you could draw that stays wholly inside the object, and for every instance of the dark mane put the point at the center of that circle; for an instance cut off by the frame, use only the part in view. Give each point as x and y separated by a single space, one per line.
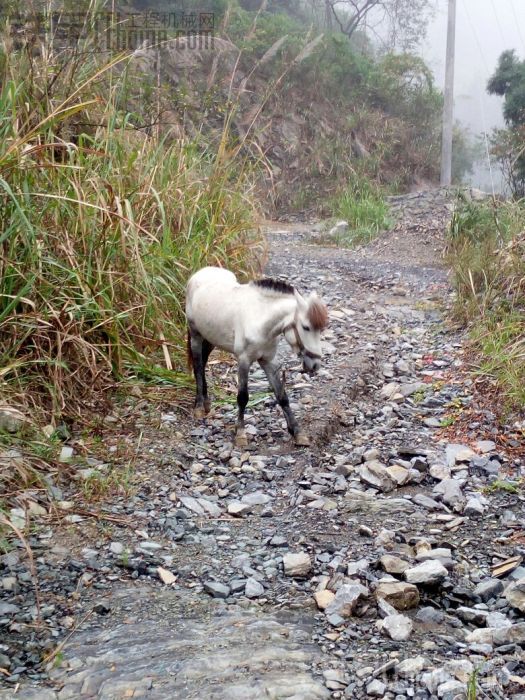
272 285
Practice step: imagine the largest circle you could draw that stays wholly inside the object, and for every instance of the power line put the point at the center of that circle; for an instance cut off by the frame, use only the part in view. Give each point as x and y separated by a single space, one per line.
518 27
481 93
476 37
498 23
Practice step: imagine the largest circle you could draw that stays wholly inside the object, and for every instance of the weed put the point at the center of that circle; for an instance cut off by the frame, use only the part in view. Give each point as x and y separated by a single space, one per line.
448 421
472 685
99 485
418 396
502 485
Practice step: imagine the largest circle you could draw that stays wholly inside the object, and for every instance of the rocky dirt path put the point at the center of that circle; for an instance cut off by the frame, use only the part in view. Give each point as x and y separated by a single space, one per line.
359 568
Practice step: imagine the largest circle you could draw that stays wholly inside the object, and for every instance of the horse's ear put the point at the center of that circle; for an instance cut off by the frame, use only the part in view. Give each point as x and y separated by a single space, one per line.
301 302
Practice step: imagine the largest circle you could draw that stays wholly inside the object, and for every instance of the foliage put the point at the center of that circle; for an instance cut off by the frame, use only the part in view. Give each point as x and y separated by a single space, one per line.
486 250
508 81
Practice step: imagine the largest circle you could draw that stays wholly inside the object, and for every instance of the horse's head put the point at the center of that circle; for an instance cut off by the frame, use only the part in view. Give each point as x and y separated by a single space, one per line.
304 335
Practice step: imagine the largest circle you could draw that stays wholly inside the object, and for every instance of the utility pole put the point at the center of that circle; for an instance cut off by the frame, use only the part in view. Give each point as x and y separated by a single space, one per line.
448 107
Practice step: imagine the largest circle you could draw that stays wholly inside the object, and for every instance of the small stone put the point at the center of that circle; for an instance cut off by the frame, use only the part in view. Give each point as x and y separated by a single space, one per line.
430 616
66 454
297 564
216 589
409 668
238 509
324 598
335 679
515 595
399 474
116 548
397 627
402 596
489 588
257 498
346 599
375 474
451 690
474 506
433 679
385 609
393 565
458 453
253 588
376 689
450 492
485 446
427 573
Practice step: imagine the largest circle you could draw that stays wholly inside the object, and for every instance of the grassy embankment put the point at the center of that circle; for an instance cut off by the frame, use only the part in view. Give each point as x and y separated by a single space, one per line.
486 251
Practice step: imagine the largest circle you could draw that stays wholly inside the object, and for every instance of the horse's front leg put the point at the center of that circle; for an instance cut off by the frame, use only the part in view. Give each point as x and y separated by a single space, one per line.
272 371
242 400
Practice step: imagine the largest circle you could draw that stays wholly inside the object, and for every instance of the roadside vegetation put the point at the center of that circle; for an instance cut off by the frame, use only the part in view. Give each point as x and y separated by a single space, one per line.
486 250
102 223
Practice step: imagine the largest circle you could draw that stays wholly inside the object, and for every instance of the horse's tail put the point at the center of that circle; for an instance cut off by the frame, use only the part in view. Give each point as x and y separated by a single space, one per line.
189 356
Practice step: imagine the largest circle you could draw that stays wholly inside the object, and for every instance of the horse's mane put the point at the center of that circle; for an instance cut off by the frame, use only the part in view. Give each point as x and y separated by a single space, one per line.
317 314
272 285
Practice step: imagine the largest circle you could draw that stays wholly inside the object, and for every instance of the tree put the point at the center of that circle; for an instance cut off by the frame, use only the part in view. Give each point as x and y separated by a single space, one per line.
508 82
400 23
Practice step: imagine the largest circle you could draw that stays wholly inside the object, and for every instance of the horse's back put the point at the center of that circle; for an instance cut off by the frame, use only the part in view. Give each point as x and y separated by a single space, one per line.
210 305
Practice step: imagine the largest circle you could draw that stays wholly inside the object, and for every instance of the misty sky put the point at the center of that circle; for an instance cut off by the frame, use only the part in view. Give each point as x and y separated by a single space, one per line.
485 28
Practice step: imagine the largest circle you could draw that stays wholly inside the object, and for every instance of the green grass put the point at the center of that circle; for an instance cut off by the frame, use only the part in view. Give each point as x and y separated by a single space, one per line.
363 205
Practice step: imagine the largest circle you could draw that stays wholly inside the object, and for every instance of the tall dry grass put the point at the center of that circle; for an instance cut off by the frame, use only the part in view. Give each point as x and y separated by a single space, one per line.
101 226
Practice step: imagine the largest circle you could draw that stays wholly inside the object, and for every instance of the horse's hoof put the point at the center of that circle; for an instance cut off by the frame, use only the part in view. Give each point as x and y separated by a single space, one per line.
302 439
241 440
207 406
199 413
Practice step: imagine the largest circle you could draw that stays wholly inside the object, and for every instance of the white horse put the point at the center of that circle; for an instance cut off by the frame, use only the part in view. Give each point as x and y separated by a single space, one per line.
247 320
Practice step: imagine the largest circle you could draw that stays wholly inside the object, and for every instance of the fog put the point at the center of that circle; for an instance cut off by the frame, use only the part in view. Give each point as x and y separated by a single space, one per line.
484 29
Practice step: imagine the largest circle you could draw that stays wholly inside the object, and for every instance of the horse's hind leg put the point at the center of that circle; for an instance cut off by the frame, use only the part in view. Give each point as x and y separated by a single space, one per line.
242 400
277 384
197 354
207 347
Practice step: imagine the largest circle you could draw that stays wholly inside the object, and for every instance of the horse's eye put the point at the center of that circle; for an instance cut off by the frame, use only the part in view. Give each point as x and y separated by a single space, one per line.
306 328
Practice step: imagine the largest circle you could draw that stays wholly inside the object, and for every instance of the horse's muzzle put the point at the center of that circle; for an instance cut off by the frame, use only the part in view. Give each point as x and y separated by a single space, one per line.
311 364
